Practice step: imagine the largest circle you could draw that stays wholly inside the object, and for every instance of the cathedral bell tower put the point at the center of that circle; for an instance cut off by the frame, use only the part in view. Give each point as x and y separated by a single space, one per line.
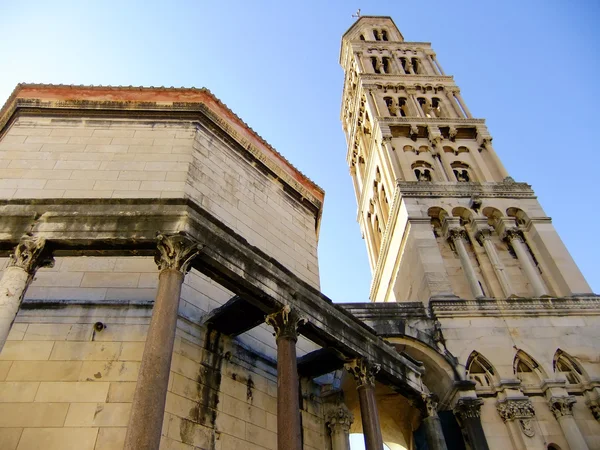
440 214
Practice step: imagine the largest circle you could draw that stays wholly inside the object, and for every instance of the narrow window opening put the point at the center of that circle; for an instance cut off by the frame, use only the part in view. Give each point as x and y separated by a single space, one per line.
376 35
362 37
376 64
386 64
384 35
416 66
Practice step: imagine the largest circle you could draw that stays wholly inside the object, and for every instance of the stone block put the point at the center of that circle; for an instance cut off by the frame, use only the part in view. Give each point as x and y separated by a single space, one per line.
114 332
184 366
142 175
95 175
97 351
264 437
98 415
4 368
26 351
112 280
44 371
58 439
109 371
72 392
66 279
189 432
122 185
17 391
114 133
171 444
56 331
9 438
233 443
84 185
78 165
33 414
17 331
121 392
230 425
110 439
132 351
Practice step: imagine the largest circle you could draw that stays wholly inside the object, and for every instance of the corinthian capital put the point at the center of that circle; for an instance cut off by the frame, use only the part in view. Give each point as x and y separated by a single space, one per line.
483 234
513 233
455 234
285 322
428 405
176 251
339 418
515 409
562 406
30 254
363 371
468 408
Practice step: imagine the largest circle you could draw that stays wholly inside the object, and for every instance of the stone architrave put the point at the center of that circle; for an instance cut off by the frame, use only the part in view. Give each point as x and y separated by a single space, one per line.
432 424
173 257
29 255
339 419
562 408
364 373
289 429
468 413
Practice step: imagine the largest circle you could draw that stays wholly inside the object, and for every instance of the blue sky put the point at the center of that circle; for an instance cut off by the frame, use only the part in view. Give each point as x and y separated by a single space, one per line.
528 67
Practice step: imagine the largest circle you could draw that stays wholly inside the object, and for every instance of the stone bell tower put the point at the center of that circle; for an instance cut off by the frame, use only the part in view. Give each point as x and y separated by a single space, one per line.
440 214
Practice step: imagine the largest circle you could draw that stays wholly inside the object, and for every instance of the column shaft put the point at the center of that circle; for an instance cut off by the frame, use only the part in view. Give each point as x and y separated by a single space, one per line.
465 261
463 105
497 162
446 164
530 270
572 432
147 410
340 440
289 432
467 411
434 434
370 418
497 265
13 285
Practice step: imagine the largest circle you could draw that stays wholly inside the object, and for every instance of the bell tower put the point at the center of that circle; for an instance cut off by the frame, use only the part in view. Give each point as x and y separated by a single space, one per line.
440 214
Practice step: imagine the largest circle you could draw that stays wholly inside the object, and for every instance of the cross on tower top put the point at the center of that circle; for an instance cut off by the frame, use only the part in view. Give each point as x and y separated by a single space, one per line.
357 15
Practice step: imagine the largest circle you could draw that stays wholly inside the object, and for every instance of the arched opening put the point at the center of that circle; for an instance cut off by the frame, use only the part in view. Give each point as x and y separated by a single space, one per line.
567 366
423 171
462 171
553 447
528 370
357 442
481 371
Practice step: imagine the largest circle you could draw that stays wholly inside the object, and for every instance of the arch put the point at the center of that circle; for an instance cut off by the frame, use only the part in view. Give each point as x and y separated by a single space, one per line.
408 148
423 148
423 170
481 371
492 214
465 214
553 447
437 215
520 216
528 370
567 365
462 171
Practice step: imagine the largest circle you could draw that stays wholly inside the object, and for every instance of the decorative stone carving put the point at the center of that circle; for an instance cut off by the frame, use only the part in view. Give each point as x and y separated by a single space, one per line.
562 406
595 408
468 408
285 322
363 371
455 234
176 251
339 418
520 410
30 254
428 405
513 233
483 234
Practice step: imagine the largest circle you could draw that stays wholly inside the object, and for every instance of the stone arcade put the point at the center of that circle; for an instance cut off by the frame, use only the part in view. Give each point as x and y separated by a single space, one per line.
160 285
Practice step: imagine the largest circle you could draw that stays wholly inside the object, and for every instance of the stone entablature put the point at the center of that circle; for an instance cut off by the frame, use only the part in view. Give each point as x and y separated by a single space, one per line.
465 189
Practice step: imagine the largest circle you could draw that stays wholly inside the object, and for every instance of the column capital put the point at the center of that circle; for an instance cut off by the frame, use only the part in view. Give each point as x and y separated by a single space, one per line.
428 405
339 418
454 234
176 251
468 408
595 408
285 322
513 233
363 371
484 234
30 254
386 139
520 410
562 406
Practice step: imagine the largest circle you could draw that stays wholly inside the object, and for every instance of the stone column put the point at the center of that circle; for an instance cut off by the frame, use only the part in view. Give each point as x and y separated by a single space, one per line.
515 237
399 163
483 236
29 255
438 65
364 374
289 430
486 142
562 407
173 257
518 415
455 107
432 424
456 237
467 411
463 104
339 419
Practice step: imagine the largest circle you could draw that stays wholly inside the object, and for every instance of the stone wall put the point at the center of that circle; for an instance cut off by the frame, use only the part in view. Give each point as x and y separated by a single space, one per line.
118 158
69 386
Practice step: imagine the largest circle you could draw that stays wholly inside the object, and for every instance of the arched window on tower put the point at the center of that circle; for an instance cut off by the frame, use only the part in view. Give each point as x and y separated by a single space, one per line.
403 106
423 171
480 370
416 65
384 35
528 370
376 63
568 367
362 37
405 65
376 35
386 64
461 172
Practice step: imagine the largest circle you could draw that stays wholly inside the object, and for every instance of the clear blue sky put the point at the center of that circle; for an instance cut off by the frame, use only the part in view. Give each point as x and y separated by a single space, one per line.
529 67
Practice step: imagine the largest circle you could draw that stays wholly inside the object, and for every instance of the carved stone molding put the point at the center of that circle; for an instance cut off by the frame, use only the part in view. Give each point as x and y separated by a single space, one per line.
285 322
595 408
483 234
363 371
339 418
468 408
520 410
455 234
30 254
466 189
562 406
428 405
176 251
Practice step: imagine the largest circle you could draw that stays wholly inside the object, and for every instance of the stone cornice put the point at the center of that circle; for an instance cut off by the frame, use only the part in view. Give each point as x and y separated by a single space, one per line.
449 189
564 306
404 80
41 99
431 120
